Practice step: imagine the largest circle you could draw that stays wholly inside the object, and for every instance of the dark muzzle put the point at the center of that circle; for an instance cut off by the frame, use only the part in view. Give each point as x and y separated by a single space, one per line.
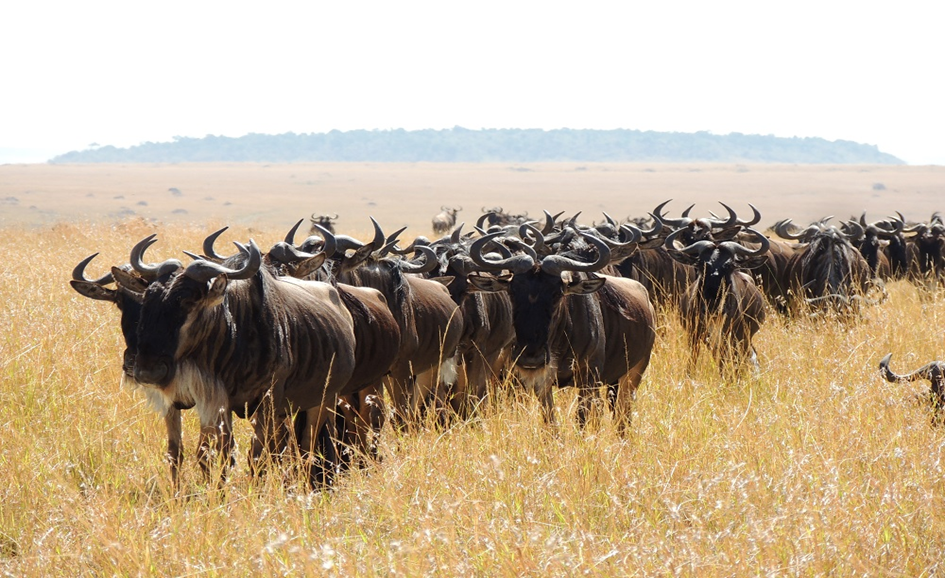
530 357
153 371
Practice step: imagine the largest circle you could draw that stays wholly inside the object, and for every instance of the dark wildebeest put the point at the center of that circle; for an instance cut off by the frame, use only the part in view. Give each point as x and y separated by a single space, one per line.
927 252
377 338
572 328
244 341
827 273
324 221
934 372
430 322
487 321
869 240
722 307
445 219
497 217
127 297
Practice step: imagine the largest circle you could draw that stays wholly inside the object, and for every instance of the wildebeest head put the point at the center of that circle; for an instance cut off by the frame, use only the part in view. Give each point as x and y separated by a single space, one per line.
537 288
934 372
716 261
324 221
171 302
127 294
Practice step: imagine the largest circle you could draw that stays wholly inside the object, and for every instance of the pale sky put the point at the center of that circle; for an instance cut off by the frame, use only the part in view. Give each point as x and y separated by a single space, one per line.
123 73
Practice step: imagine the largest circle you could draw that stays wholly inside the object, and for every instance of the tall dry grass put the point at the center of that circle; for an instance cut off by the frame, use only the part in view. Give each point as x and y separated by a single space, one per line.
814 466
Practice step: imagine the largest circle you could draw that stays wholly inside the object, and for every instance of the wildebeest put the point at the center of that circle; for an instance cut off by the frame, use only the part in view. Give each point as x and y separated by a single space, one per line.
445 219
497 217
571 328
933 371
828 272
127 296
927 251
487 321
244 341
324 221
377 339
723 306
430 322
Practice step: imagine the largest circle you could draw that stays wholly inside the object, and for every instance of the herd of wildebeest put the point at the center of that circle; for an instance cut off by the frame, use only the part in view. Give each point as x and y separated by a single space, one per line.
305 339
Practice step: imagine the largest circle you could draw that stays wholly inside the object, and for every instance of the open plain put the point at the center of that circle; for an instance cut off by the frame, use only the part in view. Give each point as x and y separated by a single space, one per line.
814 466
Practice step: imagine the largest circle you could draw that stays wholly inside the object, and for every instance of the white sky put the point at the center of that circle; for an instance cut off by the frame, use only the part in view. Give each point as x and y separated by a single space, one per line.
123 73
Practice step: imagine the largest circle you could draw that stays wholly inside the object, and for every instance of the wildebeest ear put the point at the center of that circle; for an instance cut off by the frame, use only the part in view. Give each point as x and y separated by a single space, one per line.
217 291
94 291
752 262
359 256
489 284
584 286
128 281
308 266
683 258
445 279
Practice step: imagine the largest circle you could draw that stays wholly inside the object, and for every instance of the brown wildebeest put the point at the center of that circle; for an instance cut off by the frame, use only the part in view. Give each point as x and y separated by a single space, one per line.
723 306
445 219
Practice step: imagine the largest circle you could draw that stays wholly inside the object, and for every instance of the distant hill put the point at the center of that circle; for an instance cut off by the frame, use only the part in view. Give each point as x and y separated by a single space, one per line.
490 145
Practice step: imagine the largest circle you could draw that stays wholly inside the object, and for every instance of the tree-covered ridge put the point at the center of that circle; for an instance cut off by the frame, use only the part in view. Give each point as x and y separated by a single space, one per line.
506 145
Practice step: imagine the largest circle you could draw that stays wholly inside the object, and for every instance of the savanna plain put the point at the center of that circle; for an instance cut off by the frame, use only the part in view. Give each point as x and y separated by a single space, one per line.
812 466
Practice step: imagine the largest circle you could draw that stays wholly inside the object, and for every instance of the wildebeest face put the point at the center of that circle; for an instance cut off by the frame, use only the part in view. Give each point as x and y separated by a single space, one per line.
537 298
127 297
166 311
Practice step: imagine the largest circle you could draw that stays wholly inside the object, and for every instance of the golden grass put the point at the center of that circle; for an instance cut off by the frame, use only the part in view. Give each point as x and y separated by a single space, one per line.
815 466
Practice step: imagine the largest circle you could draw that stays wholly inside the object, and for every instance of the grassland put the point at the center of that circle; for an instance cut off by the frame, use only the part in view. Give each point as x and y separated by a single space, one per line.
815 466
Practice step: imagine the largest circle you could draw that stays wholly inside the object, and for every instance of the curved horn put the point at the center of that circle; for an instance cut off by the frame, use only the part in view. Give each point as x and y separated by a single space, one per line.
526 231
722 224
379 238
856 230
331 242
783 230
150 272
743 251
456 237
634 233
203 271
514 263
550 222
755 217
287 253
556 264
693 249
924 372
290 236
429 262
676 223
208 245
78 274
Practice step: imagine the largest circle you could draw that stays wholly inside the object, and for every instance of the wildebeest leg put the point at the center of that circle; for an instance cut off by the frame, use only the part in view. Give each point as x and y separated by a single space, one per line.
317 443
588 394
426 390
368 420
626 393
270 428
476 376
546 397
218 429
398 388
175 448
